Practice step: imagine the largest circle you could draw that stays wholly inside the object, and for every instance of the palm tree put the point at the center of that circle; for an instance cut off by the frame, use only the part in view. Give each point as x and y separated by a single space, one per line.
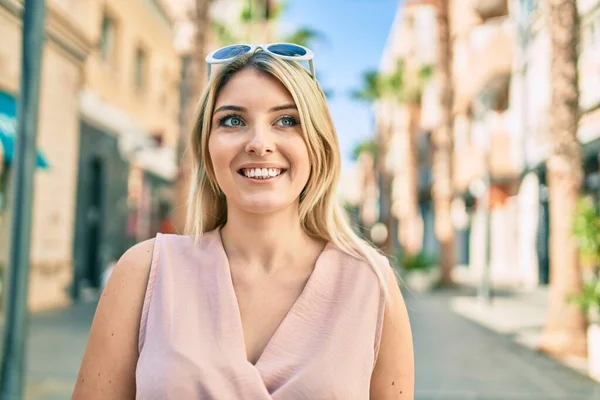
304 36
442 146
564 332
378 87
407 83
192 86
263 15
365 154
403 87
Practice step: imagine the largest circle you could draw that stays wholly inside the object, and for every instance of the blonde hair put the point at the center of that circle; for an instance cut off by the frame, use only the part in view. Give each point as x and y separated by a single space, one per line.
321 215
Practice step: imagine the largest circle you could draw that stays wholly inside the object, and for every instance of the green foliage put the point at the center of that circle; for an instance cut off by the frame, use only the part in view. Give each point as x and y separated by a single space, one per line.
586 228
418 262
254 11
589 299
426 72
249 13
372 87
224 35
399 85
366 146
304 36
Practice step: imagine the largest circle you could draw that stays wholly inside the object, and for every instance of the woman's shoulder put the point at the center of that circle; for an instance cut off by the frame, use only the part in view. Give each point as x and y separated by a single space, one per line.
138 253
368 256
366 265
140 256
133 268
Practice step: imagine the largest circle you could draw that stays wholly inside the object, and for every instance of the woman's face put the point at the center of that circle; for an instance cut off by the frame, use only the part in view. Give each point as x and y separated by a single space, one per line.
256 144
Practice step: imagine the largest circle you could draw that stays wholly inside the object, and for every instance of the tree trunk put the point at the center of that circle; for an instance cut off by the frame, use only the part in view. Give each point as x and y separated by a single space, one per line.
194 81
442 147
385 190
565 330
414 231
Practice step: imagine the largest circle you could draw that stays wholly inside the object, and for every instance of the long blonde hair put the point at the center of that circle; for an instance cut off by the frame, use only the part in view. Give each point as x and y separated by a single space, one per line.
321 215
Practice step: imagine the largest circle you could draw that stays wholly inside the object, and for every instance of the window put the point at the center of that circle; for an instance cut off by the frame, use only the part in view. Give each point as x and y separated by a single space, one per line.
107 39
141 68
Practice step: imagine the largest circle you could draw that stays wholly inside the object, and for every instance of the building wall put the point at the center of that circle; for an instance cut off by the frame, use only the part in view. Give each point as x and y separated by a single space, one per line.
58 140
130 95
137 24
73 65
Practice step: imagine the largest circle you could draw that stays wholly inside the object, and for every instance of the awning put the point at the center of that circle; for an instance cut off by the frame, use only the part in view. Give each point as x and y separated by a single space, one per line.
8 125
7 138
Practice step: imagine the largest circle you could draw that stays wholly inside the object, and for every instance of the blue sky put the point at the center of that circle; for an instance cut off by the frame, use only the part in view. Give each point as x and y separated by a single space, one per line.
355 34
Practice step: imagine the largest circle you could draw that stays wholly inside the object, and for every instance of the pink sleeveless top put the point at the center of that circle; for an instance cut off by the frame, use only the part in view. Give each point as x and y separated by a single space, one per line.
191 343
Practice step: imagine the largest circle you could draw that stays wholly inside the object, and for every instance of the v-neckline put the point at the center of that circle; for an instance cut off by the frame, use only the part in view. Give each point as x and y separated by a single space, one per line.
240 336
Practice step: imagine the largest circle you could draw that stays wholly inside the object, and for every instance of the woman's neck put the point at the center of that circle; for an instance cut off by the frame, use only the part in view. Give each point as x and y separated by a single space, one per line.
265 240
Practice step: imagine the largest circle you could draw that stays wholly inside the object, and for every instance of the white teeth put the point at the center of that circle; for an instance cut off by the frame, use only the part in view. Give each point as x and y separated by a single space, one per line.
261 173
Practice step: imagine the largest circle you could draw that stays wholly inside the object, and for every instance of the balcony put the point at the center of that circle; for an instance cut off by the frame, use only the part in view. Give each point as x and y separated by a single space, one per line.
488 9
468 166
491 58
463 17
503 160
469 162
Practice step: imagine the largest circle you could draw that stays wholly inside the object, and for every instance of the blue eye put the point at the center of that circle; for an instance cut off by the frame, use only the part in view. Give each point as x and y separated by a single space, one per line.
287 121
231 121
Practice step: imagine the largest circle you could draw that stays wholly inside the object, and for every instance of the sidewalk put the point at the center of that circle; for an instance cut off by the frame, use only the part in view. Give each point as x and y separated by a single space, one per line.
55 348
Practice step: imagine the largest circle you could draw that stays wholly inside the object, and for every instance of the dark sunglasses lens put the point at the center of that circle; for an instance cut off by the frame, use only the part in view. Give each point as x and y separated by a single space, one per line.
231 51
288 50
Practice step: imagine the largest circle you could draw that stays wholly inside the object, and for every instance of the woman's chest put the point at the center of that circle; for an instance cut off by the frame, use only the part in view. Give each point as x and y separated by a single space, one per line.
263 306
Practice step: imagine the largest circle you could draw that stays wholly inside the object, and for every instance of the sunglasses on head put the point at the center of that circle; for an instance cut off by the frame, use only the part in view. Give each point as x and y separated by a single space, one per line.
285 51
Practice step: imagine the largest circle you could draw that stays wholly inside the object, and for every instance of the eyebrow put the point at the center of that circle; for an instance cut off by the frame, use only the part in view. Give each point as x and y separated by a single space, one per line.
242 109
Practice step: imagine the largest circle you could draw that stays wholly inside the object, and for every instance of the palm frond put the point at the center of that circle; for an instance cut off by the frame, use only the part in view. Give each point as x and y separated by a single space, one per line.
371 87
426 72
224 35
304 36
366 146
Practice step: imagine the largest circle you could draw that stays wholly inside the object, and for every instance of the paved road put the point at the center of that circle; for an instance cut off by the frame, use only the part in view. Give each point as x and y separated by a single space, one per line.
456 359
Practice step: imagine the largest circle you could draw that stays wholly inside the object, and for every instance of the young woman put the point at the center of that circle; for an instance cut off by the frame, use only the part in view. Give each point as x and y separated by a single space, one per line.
270 295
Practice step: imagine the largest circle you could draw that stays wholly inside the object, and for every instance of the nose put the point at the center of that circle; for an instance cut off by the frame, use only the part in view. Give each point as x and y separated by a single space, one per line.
260 142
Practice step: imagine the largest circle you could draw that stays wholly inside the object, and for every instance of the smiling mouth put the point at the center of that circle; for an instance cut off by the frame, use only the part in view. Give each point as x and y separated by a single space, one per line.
261 173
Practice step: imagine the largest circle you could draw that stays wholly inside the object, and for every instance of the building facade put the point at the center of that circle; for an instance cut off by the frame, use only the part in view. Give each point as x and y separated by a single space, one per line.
535 57
64 56
108 124
501 79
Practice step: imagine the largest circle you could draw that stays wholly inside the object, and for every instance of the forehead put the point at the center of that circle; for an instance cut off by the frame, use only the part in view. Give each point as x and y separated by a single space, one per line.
254 87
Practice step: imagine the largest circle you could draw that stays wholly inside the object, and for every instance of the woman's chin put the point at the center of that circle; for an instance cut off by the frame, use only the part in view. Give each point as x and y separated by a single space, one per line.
264 205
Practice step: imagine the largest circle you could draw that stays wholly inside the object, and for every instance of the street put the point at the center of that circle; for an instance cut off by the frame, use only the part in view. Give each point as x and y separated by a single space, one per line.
456 359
